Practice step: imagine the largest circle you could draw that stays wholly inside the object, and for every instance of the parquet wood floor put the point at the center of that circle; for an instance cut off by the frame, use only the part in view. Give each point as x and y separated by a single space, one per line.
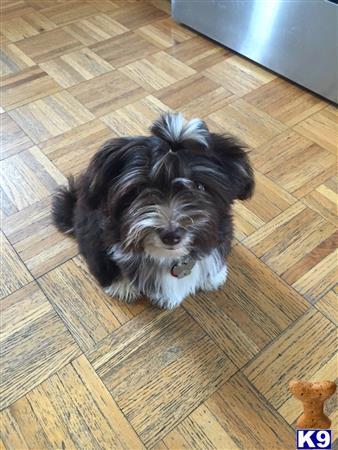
80 370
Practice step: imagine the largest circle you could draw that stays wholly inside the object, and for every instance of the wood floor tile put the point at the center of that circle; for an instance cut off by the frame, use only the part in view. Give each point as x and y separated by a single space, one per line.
89 314
253 308
185 368
49 45
13 272
95 29
165 33
124 49
201 430
319 279
268 202
75 67
71 152
255 423
247 122
239 75
28 177
51 116
327 305
26 26
285 240
12 60
12 139
292 408
35 343
26 86
294 162
137 14
36 240
72 409
324 199
134 119
199 53
321 128
11 9
311 259
157 71
107 92
285 101
195 96
68 12
297 354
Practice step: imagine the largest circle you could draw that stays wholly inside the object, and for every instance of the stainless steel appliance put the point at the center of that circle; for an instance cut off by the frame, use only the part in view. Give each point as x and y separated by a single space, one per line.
295 38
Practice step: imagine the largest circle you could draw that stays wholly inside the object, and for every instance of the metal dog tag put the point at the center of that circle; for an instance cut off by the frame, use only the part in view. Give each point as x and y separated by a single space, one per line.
183 268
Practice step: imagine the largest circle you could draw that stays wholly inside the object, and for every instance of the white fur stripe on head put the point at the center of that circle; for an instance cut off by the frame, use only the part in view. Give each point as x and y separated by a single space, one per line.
174 128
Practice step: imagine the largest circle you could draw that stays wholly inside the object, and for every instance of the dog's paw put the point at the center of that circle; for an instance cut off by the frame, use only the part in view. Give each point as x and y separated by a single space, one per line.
166 302
123 290
215 282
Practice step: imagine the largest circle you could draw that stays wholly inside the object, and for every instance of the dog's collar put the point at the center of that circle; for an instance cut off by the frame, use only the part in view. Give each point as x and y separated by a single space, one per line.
183 267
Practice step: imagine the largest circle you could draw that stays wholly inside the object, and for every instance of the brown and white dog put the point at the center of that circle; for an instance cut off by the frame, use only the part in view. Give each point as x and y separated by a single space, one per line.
152 214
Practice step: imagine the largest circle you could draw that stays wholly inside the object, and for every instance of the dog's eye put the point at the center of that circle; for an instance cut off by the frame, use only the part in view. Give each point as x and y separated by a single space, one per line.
200 187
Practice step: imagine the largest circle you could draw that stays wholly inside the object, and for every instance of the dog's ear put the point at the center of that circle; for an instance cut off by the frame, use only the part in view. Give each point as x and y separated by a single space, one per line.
234 160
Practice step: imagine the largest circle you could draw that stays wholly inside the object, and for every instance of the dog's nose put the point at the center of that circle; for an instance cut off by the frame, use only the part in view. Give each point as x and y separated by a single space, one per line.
171 237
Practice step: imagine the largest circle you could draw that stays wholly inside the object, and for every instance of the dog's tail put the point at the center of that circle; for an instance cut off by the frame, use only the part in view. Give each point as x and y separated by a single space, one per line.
63 205
173 128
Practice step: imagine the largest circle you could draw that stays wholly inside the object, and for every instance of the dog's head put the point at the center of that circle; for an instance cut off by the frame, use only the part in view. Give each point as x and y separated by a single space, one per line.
170 194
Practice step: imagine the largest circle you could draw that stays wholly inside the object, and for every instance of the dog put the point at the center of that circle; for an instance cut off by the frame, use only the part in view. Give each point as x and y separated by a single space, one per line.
152 214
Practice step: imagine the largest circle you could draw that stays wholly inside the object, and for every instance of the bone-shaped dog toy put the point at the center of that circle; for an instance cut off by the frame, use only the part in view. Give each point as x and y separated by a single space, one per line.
313 396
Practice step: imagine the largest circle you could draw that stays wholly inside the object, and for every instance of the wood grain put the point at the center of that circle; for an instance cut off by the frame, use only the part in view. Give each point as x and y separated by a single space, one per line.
285 101
157 71
72 409
75 67
137 14
253 308
12 60
71 151
48 45
26 26
45 344
282 159
14 274
255 422
239 75
27 178
247 122
165 33
107 92
285 360
180 366
324 199
26 86
51 116
95 29
12 139
199 53
200 430
195 96
327 305
134 118
321 128
284 240
36 240
124 49
89 314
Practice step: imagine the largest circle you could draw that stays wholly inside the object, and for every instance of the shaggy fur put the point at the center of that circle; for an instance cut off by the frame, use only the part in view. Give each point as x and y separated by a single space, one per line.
144 203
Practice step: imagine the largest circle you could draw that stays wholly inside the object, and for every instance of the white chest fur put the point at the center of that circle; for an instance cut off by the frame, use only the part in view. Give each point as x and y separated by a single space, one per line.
156 281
